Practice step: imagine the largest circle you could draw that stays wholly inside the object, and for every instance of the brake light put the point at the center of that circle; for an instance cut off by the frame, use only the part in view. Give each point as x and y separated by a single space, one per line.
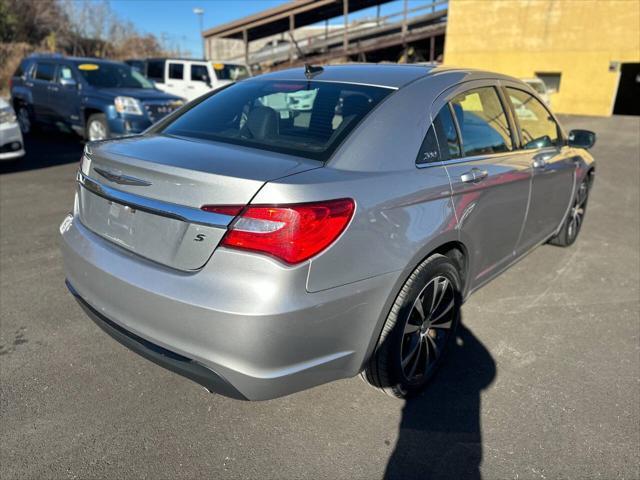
292 233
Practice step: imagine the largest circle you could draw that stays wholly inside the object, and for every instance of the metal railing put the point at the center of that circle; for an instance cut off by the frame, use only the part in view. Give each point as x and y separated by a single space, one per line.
345 39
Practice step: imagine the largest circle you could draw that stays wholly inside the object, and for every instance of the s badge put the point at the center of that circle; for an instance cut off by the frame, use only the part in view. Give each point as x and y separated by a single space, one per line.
199 237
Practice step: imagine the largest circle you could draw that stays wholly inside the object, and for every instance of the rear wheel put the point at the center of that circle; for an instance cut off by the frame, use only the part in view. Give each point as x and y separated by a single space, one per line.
573 223
418 330
97 127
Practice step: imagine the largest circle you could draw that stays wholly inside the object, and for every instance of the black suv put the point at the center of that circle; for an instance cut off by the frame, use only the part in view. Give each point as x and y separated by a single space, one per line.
96 98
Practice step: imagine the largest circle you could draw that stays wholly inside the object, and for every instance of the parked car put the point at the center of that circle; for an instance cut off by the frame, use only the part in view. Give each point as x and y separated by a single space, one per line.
541 89
96 98
260 253
189 78
11 143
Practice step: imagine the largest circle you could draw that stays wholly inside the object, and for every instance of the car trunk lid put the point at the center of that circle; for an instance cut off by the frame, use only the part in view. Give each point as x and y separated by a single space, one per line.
145 193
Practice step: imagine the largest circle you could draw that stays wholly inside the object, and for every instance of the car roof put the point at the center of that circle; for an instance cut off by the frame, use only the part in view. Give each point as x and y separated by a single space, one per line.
176 59
388 75
57 57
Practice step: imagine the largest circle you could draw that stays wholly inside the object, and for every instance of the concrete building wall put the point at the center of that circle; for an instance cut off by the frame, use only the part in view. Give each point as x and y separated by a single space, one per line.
227 49
583 40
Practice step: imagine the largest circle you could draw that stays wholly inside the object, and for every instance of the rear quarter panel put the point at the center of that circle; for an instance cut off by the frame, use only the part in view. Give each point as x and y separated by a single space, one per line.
402 212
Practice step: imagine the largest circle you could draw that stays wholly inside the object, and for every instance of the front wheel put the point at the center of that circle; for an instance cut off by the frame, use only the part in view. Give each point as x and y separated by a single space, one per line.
97 127
573 223
418 330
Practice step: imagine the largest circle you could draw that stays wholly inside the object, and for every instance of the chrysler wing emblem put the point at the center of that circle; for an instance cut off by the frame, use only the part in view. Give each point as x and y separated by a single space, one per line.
121 179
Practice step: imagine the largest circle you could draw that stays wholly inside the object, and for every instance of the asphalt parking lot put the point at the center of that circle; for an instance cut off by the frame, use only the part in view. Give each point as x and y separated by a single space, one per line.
544 382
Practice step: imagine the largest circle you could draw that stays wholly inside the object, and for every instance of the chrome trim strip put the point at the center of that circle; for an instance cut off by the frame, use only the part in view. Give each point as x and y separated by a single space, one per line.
475 158
156 207
121 179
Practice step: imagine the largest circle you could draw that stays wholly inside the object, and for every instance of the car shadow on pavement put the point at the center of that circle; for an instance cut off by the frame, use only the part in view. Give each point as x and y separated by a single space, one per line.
46 149
440 433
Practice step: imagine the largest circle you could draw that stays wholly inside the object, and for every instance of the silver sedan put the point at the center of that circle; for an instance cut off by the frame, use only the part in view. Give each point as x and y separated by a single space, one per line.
261 249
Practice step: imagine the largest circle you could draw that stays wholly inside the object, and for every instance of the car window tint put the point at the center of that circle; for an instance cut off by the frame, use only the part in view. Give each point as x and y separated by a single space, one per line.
537 126
199 73
306 118
45 71
483 122
176 71
441 141
155 70
447 134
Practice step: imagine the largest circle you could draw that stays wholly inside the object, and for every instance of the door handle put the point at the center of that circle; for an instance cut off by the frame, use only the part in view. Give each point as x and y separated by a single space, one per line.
191 87
53 89
474 175
540 161
29 84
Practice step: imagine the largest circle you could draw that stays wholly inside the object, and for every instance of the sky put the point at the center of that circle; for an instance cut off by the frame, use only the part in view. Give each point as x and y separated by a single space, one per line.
176 21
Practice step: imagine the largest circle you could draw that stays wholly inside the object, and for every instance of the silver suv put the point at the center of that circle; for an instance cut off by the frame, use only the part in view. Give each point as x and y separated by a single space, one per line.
262 251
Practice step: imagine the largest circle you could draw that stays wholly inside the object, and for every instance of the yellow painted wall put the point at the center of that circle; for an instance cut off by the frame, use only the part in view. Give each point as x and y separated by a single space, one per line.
578 38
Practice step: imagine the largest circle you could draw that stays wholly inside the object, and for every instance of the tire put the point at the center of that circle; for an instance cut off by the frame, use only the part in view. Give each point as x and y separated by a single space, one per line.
575 217
25 119
97 128
407 330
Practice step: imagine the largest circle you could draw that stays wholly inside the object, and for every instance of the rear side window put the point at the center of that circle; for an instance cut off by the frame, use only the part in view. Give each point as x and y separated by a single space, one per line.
441 141
308 118
199 73
45 71
537 126
155 70
176 71
483 122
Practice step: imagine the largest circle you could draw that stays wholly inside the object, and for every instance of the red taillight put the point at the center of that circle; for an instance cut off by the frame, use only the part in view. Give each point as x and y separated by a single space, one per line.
231 210
292 233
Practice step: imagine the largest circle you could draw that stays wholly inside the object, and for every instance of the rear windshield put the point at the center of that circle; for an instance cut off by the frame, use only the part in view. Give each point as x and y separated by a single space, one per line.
112 75
304 118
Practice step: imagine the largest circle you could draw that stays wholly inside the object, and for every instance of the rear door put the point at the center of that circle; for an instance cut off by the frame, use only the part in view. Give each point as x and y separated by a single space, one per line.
176 80
490 182
552 164
43 75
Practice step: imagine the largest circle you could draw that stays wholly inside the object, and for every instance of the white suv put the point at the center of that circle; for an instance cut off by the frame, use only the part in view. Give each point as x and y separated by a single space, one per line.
189 78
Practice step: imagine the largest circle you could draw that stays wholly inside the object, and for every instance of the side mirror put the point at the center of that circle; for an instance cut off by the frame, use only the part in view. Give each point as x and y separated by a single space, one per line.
67 82
582 138
206 80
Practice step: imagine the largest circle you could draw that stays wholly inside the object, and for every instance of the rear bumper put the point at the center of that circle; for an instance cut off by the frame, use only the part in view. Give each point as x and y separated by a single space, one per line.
244 326
161 356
